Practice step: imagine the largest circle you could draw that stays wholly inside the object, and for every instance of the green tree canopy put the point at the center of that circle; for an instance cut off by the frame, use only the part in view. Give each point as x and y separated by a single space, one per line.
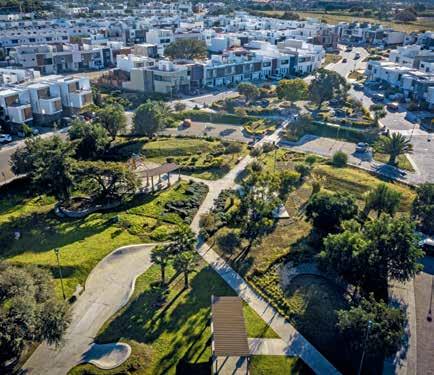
112 118
105 181
327 85
423 207
395 145
185 263
29 310
183 240
161 255
367 257
386 332
186 49
292 89
328 211
382 199
48 162
150 117
248 90
90 139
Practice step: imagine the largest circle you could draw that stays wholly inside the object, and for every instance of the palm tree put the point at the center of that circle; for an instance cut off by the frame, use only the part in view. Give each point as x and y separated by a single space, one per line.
395 145
185 262
182 241
382 199
161 255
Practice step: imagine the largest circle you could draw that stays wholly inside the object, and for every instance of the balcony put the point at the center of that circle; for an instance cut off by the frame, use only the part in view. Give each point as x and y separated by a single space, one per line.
50 106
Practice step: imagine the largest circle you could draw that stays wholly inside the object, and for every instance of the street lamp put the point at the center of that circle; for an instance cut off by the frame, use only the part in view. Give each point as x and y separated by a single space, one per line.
364 347
57 251
429 316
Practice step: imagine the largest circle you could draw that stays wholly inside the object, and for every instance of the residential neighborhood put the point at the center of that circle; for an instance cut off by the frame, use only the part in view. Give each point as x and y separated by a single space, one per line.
222 187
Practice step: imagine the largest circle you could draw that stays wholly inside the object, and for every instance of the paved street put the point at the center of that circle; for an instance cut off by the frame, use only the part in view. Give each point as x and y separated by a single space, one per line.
424 290
423 154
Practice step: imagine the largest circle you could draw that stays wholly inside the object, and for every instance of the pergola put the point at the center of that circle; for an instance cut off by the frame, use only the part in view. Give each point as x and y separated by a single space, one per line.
158 171
229 336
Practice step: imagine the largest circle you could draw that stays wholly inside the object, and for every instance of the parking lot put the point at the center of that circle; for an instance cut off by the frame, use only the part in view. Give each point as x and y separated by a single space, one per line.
203 129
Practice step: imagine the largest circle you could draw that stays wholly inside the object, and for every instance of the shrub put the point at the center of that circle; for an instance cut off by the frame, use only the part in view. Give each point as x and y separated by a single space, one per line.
228 241
339 159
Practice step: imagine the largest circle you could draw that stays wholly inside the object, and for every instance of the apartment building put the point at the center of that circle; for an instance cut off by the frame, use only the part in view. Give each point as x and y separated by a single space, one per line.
10 75
15 103
161 38
45 99
415 84
62 58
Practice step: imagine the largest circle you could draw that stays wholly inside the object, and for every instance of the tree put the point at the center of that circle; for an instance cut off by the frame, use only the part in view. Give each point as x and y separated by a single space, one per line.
341 253
383 200
49 164
423 207
150 117
395 145
188 49
259 198
112 118
378 115
248 90
328 211
228 241
29 310
292 89
327 85
91 140
367 257
185 262
340 159
386 331
180 106
105 181
160 255
183 241
406 15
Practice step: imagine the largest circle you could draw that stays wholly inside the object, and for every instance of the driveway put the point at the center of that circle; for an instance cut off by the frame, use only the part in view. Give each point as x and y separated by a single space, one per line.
224 131
108 288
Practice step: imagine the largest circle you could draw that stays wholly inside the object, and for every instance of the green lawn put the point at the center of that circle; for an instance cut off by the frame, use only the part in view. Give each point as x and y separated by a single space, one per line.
403 162
82 242
277 365
198 157
173 335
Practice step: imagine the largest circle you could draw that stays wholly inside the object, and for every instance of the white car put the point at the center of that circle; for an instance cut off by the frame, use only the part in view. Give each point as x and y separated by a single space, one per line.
5 138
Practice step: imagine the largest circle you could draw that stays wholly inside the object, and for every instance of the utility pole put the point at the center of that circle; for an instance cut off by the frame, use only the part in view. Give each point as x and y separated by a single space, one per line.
364 347
57 251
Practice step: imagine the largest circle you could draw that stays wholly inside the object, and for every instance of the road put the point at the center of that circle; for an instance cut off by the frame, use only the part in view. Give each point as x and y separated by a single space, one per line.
422 156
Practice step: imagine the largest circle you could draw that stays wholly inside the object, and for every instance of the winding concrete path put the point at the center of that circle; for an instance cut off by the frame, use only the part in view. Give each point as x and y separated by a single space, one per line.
108 288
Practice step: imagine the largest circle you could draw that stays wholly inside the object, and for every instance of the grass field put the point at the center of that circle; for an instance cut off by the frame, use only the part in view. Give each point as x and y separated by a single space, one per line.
277 365
197 157
331 58
423 23
82 242
402 160
175 336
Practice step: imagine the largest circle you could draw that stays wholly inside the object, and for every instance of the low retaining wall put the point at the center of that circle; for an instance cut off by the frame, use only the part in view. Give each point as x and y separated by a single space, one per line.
73 214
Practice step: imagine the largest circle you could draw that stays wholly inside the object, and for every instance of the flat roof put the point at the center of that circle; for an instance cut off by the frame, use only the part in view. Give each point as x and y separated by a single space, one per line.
229 330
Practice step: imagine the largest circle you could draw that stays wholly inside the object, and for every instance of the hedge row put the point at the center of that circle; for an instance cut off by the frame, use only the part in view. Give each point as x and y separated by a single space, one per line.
353 135
213 117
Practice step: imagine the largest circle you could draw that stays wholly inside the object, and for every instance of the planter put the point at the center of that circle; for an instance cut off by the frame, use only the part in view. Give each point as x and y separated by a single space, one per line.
81 213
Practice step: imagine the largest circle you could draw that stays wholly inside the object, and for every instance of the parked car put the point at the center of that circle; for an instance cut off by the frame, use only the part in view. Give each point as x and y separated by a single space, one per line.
5 138
357 56
378 97
427 245
362 147
393 106
345 60
349 49
358 86
186 123
411 117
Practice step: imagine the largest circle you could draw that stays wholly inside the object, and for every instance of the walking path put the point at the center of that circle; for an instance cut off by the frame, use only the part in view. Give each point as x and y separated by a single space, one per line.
108 288
111 284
